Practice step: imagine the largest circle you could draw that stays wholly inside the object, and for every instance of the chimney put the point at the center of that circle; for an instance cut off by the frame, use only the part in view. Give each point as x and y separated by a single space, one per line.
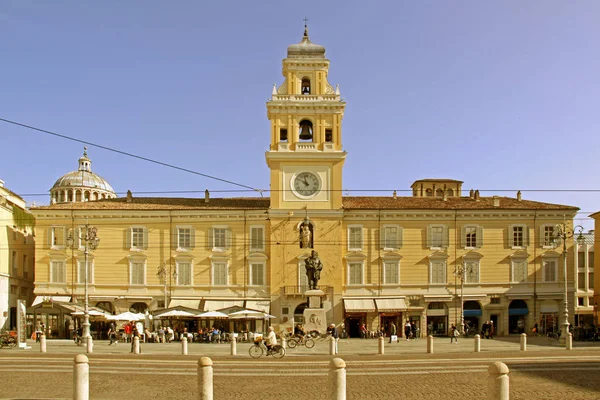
476 195
471 193
129 197
206 196
395 195
496 201
519 195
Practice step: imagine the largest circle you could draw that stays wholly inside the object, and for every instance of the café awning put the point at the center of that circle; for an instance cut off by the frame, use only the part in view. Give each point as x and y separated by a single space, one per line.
359 305
390 305
51 299
262 305
212 305
187 303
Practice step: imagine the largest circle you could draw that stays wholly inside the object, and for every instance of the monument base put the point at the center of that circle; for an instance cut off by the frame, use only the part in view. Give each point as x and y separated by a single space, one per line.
315 319
314 297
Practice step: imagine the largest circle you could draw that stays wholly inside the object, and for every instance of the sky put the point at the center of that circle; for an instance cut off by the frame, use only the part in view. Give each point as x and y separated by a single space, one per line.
500 95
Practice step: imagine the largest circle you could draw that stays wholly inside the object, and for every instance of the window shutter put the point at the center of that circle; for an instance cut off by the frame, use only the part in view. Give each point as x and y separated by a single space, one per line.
145 246
479 237
429 236
445 237
525 235
209 239
399 238
382 237
192 237
50 234
228 239
542 231
463 237
128 238
175 238
510 236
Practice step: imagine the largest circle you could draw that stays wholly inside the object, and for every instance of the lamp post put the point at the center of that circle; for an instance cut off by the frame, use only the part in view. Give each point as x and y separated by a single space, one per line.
162 274
460 272
563 232
88 235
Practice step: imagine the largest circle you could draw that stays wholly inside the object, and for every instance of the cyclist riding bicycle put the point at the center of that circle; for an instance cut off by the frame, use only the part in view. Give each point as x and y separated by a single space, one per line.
299 333
271 340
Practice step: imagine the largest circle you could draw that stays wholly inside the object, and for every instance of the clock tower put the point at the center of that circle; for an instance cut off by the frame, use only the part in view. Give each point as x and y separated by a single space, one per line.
305 155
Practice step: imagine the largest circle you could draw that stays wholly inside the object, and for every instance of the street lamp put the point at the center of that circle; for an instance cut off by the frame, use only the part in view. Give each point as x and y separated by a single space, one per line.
87 235
460 271
563 232
162 274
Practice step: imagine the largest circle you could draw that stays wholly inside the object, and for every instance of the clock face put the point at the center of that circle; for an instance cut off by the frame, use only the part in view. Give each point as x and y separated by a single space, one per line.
306 184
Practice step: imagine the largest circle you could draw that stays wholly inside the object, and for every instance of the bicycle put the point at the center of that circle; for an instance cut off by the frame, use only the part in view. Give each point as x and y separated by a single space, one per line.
296 341
258 349
553 335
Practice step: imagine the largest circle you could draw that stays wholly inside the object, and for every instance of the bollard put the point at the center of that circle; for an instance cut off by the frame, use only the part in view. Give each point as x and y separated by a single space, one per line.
43 343
381 346
331 345
234 345
498 381
523 342
283 342
569 342
81 378
136 345
205 379
184 345
430 344
477 344
337 379
89 345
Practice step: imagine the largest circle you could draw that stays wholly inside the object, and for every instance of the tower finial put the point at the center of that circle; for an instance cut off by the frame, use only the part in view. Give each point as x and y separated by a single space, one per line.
85 151
305 27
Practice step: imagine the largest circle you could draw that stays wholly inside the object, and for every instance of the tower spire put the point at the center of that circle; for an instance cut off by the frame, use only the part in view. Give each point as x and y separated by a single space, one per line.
305 28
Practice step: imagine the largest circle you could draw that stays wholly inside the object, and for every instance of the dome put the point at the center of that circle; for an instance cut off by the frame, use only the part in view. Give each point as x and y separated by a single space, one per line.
81 185
306 48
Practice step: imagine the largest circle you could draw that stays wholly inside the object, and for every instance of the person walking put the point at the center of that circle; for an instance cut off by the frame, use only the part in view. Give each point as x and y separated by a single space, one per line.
332 330
407 330
112 334
454 334
393 331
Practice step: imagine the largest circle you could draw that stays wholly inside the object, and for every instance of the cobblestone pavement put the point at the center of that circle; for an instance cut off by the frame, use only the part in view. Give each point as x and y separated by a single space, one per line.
162 373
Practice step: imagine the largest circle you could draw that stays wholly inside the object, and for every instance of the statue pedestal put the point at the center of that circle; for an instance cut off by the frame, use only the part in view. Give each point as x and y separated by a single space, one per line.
315 318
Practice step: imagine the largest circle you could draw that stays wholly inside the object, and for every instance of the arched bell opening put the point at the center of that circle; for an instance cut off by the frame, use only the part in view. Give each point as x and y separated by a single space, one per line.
306 130
305 88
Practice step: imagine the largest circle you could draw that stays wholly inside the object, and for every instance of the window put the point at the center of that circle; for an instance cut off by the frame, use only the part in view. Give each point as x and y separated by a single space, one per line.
437 273
219 274
471 271
257 274
23 291
517 236
581 259
137 275
550 271
519 271
547 236
355 273
81 271
581 281
391 237
14 266
591 281
220 238
355 237
328 135
24 265
283 135
580 301
437 236
58 272
137 238
472 236
591 260
257 238
185 238
184 273
391 272
57 236
495 300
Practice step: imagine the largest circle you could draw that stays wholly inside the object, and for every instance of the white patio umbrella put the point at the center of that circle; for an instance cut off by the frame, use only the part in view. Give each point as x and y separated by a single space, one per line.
92 313
247 314
176 314
212 314
126 316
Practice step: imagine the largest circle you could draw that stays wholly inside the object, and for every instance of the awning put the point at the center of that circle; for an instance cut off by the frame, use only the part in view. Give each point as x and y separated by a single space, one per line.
359 305
390 305
193 304
518 311
472 313
212 305
52 299
262 305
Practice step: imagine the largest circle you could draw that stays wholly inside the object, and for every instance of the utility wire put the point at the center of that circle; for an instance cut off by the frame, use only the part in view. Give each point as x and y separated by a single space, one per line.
129 154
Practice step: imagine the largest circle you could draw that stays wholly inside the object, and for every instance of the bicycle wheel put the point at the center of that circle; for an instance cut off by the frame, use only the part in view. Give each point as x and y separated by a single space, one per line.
278 351
292 343
255 351
309 343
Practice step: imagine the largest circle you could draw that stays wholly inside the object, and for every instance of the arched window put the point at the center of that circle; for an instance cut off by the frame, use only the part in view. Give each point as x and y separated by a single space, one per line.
428 193
306 130
106 306
138 307
439 193
305 86
450 193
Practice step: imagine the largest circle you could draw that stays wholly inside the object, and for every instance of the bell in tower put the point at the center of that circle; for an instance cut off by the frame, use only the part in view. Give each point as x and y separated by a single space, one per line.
306 130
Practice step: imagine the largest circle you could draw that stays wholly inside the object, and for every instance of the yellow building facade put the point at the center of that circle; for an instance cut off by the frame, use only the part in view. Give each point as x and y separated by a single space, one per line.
427 258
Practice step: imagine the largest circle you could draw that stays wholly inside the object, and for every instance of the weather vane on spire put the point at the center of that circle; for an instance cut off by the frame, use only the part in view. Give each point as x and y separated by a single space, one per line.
305 21
85 151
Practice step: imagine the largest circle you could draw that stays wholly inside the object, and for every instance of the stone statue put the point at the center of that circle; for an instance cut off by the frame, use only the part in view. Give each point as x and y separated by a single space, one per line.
305 237
313 270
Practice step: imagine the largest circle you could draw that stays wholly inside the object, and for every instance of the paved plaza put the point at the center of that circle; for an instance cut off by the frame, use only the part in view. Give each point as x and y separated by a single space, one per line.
405 371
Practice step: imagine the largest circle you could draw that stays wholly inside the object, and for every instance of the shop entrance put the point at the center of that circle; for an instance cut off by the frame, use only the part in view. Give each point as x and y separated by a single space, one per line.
472 314
517 313
437 319
385 321
353 325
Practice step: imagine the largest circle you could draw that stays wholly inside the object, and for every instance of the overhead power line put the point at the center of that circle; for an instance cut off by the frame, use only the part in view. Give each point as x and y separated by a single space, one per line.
130 154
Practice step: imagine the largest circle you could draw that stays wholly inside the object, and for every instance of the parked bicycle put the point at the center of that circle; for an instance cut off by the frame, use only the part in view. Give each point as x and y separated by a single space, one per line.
8 339
297 341
259 348
553 335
